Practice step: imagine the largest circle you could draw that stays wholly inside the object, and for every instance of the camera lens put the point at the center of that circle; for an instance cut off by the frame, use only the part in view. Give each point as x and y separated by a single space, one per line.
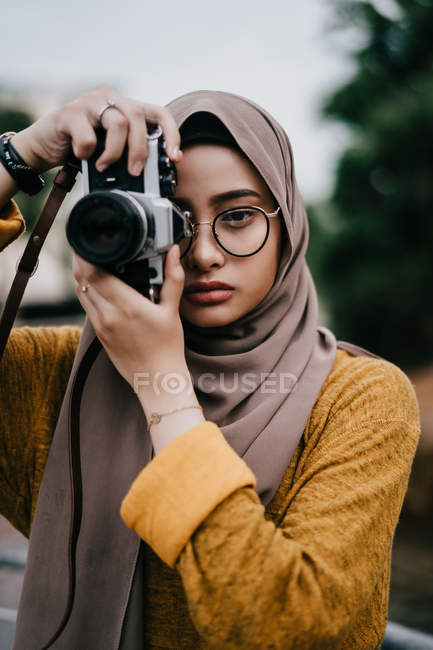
107 228
104 231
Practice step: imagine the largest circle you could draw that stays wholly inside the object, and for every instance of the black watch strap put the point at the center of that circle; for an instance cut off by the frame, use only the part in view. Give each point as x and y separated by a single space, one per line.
25 177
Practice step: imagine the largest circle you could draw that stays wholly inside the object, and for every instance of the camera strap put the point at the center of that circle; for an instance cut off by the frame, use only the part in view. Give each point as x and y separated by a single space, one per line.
63 183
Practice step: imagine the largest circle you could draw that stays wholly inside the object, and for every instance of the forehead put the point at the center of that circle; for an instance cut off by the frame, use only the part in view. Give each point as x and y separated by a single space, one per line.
208 168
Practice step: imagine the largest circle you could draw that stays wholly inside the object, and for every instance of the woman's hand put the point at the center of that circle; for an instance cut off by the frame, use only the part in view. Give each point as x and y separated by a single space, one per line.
145 342
140 337
48 142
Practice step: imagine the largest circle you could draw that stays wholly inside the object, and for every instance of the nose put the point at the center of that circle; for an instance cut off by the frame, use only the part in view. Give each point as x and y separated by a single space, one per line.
204 252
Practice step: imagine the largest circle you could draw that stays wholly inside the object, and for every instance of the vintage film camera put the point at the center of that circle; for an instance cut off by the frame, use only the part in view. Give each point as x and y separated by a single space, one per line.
124 223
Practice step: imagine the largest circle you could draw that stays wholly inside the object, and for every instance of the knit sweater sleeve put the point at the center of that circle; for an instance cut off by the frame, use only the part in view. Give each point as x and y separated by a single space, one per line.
33 375
301 580
11 224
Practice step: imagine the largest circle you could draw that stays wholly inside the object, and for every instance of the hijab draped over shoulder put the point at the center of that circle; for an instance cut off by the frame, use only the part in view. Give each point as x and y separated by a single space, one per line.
278 345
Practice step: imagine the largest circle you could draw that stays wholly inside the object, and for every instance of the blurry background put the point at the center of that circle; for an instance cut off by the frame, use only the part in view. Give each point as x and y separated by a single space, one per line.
352 84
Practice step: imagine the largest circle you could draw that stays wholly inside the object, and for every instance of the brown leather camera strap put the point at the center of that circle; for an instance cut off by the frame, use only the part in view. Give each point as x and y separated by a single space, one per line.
63 183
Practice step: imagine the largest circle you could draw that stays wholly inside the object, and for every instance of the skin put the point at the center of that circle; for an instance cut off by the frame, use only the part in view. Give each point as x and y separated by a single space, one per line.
205 172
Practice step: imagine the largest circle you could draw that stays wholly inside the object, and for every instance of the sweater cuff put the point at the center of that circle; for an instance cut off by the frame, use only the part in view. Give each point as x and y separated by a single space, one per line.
11 224
181 486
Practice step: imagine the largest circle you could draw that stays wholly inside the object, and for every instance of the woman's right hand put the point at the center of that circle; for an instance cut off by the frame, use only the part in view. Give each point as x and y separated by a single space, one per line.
48 142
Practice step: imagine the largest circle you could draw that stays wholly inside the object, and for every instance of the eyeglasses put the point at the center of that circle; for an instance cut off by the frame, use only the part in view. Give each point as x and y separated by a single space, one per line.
240 231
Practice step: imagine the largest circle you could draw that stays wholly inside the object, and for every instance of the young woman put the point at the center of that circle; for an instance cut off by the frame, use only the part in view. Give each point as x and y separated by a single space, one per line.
268 463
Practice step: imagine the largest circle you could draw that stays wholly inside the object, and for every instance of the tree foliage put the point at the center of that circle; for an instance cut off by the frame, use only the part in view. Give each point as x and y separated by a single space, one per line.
375 267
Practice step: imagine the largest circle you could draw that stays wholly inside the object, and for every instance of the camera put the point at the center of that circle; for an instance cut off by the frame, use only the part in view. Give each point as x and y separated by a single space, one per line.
125 223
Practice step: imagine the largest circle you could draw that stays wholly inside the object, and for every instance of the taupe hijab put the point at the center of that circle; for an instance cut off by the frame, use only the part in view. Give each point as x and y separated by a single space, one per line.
84 578
279 340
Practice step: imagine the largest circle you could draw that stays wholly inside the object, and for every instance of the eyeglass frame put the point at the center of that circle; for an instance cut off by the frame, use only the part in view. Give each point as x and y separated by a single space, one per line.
194 227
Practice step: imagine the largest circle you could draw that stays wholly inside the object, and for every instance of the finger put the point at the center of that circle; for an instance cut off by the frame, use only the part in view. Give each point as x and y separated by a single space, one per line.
135 112
103 309
103 314
76 125
111 288
98 280
174 280
165 119
84 271
117 127
83 138
88 307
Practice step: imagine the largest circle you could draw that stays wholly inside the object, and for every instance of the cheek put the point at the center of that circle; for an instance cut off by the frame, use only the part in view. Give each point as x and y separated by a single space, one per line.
259 274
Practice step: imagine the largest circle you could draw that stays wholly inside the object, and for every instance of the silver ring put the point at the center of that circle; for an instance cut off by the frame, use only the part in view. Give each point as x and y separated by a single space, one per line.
85 288
154 135
110 104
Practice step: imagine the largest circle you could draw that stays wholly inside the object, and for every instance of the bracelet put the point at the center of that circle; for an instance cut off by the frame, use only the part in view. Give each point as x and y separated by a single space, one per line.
26 178
155 418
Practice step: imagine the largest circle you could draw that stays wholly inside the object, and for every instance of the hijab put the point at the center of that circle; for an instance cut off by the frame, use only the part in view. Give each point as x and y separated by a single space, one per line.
278 343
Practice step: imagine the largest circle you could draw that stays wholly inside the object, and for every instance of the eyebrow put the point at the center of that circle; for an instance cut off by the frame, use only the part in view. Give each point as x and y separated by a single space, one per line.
225 196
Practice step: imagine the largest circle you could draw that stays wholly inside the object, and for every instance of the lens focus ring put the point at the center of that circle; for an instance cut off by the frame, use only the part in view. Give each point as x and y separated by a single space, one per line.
107 228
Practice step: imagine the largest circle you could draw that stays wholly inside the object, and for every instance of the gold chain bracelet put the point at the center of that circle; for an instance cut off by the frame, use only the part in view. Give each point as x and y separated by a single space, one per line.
155 418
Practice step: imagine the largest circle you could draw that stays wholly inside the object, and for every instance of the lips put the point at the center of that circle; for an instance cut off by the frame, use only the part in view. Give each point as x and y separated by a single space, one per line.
198 287
208 293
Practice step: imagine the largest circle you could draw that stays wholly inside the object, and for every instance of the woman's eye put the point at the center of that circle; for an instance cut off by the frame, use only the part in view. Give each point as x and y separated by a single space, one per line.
238 218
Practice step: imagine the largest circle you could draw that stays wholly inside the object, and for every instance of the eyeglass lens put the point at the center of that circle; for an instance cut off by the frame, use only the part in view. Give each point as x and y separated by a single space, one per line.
240 231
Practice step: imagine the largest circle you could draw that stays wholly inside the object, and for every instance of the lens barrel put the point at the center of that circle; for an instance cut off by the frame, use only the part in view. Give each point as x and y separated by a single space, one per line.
108 228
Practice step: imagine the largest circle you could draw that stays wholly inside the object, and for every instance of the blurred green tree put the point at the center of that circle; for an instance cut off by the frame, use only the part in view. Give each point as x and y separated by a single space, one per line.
13 118
374 266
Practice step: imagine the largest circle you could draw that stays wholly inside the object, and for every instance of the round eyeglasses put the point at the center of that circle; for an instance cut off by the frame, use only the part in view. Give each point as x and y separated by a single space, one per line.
240 231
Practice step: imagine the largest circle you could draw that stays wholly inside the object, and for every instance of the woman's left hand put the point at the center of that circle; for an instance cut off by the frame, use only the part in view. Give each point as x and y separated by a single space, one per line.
139 336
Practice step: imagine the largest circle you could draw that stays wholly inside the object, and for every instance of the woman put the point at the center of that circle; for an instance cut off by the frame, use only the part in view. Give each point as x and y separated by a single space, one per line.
268 516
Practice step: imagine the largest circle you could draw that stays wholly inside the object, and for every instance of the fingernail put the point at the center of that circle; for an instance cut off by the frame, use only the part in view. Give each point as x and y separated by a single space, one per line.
137 168
176 253
177 153
101 167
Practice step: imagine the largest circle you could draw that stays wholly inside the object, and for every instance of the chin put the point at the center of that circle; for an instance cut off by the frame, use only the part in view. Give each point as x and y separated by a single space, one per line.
211 316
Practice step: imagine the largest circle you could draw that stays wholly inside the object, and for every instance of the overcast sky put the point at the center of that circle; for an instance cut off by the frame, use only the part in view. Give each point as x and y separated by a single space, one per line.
278 53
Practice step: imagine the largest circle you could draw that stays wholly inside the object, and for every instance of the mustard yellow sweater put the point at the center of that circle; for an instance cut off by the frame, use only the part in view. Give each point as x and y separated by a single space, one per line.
311 570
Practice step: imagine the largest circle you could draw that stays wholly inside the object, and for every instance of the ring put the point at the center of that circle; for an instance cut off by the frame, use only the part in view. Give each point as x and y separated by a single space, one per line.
110 104
85 288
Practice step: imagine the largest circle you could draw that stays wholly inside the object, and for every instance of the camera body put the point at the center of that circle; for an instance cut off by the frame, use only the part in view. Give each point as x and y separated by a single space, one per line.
124 223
